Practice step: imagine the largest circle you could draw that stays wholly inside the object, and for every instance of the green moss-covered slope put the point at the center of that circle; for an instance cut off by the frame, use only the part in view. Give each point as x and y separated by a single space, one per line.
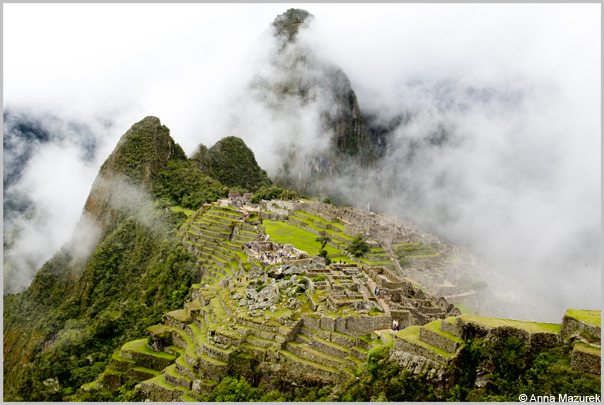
233 164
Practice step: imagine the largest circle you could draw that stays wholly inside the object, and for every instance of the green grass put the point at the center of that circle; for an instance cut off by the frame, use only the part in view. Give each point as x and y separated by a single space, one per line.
159 329
380 263
282 232
239 253
411 334
141 347
146 370
588 349
180 315
181 209
171 370
219 313
295 358
159 381
434 326
524 325
588 316
342 258
463 308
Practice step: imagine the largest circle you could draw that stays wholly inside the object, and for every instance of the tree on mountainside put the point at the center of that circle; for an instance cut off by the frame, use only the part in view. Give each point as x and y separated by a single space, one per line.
358 247
323 240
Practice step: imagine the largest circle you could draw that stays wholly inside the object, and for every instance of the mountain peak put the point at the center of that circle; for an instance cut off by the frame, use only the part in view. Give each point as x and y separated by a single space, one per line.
288 23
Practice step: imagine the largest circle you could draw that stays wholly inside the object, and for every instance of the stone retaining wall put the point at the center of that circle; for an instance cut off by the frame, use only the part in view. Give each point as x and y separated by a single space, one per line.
311 322
211 371
251 324
537 339
343 340
326 348
570 325
586 362
177 381
437 340
451 328
417 350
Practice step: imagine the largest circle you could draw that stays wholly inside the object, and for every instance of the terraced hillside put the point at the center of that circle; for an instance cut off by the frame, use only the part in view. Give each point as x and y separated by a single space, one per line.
302 322
216 236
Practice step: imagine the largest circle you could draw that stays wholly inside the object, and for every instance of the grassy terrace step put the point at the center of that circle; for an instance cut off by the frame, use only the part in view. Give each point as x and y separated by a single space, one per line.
587 316
189 342
298 359
142 373
182 363
283 232
434 327
220 294
218 310
386 337
174 350
120 363
257 351
418 347
300 338
159 381
145 356
524 325
303 214
582 347
233 246
211 360
231 249
180 315
171 370
218 218
308 353
260 342
343 351
378 263
351 360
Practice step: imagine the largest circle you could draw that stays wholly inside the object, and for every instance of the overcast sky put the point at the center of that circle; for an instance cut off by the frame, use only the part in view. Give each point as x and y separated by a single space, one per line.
110 65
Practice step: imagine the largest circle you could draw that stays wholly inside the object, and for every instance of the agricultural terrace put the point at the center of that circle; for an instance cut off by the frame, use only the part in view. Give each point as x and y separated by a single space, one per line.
282 232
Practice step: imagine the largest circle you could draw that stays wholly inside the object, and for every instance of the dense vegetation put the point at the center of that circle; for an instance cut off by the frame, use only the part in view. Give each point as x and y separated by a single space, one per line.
273 193
134 276
233 164
61 332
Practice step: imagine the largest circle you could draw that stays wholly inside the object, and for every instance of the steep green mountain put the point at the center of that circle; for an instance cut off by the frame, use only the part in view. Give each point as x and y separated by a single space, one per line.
120 272
232 163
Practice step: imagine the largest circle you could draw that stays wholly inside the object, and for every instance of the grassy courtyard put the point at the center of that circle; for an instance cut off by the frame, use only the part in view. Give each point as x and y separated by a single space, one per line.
281 232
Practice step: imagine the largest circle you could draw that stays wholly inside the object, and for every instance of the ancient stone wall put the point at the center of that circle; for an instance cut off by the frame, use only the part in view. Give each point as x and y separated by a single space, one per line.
586 362
417 350
311 321
571 325
437 340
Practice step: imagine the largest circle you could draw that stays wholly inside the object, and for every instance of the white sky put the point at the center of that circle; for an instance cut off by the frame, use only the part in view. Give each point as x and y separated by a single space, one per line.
184 62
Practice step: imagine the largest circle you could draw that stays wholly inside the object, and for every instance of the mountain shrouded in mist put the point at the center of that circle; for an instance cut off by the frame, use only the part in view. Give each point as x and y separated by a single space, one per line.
121 269
503 164
300 83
